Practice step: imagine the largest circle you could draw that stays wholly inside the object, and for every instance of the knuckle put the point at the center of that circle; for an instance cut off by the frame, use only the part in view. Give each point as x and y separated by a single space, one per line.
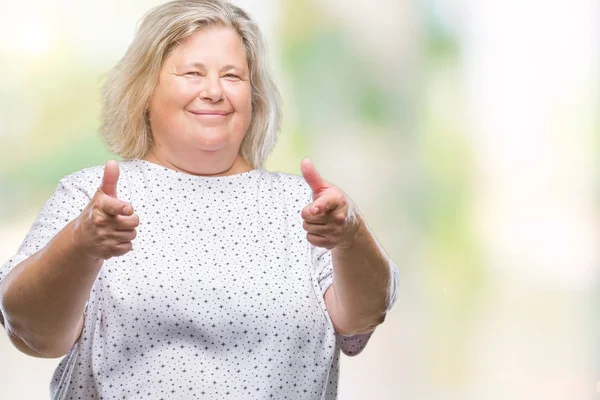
125 247
98 219
103 234
341 217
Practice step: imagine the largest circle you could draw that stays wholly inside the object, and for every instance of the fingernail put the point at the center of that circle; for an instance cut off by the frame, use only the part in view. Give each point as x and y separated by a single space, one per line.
315 210
127 209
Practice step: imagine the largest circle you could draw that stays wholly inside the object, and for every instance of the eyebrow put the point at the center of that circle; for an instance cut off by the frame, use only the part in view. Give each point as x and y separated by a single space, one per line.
202 66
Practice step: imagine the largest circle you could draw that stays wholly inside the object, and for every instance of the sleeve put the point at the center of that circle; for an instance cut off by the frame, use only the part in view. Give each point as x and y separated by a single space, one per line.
351 345
65 204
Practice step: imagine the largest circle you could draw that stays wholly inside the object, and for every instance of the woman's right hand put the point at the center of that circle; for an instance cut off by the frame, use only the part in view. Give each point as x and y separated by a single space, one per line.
106 227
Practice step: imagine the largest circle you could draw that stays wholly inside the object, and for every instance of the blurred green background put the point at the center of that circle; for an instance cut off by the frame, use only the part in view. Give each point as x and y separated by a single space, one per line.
470 148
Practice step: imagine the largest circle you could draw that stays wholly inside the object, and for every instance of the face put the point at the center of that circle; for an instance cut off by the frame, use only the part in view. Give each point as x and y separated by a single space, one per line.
201 107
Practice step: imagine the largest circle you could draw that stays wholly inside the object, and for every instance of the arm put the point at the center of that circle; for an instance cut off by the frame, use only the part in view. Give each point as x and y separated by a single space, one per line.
43 297
359 297
24 348
364 278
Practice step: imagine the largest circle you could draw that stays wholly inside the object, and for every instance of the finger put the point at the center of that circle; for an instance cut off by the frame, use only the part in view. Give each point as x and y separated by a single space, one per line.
110 178
322 209
319 241
126 222
312 177
124 236
326 204
112 206
317 229
308 215
122 248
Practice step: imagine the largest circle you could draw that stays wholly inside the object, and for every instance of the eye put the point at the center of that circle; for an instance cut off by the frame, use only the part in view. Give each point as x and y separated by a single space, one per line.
232 76
193 73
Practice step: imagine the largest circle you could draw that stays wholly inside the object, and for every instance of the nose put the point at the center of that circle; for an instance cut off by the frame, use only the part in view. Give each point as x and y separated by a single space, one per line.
211 90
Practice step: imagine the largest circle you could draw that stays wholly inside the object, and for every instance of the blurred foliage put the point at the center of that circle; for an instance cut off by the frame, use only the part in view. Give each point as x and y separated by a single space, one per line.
59 137
452 262
331 79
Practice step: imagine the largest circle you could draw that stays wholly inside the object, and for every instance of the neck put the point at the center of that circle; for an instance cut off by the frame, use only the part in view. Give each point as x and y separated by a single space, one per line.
238 166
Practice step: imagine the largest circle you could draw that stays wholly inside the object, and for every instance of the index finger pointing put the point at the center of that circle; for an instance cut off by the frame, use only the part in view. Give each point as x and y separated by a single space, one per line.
112 206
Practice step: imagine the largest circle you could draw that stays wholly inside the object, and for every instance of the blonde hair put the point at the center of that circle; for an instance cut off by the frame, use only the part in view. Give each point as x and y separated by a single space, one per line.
125 126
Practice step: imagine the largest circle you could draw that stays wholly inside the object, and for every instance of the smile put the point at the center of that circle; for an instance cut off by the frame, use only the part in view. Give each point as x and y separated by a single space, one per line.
210 115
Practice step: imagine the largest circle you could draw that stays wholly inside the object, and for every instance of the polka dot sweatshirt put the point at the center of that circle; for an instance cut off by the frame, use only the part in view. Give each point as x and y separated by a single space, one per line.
221 296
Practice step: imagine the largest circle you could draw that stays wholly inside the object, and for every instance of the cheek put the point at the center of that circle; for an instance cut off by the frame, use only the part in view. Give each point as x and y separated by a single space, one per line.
174 96
180 95
240 100
165 109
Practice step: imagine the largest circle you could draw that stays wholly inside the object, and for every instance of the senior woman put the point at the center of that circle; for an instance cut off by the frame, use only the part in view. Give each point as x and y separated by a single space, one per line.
186 270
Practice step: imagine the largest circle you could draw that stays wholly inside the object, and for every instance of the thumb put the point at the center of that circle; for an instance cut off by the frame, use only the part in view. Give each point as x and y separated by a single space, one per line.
312 177
110 178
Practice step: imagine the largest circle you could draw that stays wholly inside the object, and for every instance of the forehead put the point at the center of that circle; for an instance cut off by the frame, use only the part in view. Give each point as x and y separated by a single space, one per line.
211 45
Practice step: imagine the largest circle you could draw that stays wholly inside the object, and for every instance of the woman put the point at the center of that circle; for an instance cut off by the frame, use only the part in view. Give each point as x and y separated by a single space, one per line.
187 270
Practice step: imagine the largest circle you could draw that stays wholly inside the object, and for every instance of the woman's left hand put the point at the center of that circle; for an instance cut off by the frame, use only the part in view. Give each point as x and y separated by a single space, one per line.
331 220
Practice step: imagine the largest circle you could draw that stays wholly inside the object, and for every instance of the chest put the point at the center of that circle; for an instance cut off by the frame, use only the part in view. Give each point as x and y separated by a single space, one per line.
212 272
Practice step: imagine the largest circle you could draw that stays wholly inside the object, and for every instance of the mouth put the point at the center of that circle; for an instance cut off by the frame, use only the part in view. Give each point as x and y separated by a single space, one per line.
210 113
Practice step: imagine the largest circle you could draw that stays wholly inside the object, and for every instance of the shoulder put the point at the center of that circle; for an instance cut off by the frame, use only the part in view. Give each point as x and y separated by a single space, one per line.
293 185
85 175
89 179
84 181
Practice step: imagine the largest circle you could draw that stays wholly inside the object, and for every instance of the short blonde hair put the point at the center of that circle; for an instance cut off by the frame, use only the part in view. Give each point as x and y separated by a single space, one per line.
125 126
